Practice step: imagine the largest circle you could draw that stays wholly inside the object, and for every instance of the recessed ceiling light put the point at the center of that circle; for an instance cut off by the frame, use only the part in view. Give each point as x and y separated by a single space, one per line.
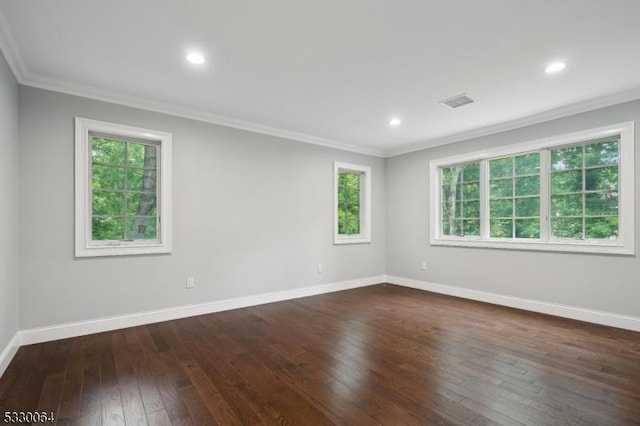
195 58
395 122
555 67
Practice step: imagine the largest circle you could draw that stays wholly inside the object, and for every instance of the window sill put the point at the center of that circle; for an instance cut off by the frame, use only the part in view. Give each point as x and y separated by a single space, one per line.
122 249
552 246
352 240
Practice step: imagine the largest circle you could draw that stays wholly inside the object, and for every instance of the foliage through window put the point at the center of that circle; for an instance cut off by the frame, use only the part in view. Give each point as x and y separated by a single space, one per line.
514 196
349 203
352 203
461 200
584 191
561 193
122 189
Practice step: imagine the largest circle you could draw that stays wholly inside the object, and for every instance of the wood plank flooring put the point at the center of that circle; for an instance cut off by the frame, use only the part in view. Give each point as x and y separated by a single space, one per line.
375 355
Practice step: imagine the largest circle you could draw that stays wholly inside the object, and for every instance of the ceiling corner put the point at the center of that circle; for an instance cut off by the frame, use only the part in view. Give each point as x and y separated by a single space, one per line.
10 50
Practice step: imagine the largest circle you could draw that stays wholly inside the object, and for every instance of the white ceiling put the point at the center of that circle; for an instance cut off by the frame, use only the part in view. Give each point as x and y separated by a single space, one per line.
334 72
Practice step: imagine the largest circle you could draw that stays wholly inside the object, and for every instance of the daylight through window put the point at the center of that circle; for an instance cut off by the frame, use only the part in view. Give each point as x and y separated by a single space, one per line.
352 196
122 190
563 193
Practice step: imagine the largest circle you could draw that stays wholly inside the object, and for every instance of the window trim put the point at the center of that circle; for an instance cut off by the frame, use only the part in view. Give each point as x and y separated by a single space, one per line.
365 204
84 245
624 245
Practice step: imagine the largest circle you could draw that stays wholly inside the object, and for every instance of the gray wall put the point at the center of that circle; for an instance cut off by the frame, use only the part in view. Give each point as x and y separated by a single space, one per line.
9 282
251 214
607 283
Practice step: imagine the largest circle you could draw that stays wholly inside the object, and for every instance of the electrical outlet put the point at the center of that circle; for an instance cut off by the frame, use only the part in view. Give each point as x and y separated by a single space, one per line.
191 282
320 270
423 266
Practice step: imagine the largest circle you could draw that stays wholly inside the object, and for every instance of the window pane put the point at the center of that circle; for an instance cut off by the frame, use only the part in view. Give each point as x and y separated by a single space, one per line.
528 164
471 227
566 227
450 176
141 228
460 200
453 227
566 205
529 185
566 158
602 153
471 209
141 204
107 228
501 228
501 188
501 208
601 227
141 180
457 210
564 182
471 191
527 207
141 155
601 204
502 167
107 203
107 177
601 178
109 151
471 172
527 228
348 203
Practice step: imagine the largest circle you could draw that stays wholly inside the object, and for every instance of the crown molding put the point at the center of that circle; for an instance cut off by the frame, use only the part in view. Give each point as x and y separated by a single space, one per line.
89 92
529 120
12 55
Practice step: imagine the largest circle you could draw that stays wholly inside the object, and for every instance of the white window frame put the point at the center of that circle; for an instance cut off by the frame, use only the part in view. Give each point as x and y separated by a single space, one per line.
365 203
84 245
624 244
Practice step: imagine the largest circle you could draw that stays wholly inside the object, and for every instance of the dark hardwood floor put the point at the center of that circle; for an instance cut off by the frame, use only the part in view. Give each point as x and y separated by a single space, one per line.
375 355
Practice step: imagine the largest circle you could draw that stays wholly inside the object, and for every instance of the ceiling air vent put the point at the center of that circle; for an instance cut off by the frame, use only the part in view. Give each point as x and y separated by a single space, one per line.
457 101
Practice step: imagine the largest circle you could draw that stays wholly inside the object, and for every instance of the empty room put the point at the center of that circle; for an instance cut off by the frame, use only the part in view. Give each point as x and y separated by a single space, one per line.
290 212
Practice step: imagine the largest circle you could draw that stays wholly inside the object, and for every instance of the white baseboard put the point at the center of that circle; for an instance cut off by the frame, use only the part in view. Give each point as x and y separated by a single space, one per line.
81 328
8 353
572 312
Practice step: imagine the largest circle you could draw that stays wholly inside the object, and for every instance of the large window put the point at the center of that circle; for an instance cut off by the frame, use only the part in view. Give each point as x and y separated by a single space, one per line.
122 190
352 200
569 193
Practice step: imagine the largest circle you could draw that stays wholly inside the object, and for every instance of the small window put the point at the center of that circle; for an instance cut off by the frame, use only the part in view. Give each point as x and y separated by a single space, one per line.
572 192
123 190
352 199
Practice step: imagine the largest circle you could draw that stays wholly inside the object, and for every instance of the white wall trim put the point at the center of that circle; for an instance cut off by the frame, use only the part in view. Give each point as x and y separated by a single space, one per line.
26 78
629 95
80 328
9 352
75 89
11 53
565 311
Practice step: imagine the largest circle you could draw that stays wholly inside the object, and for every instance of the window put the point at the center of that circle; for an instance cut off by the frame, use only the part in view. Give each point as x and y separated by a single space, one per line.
461 200
123 190
573 192
514 196
352 200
